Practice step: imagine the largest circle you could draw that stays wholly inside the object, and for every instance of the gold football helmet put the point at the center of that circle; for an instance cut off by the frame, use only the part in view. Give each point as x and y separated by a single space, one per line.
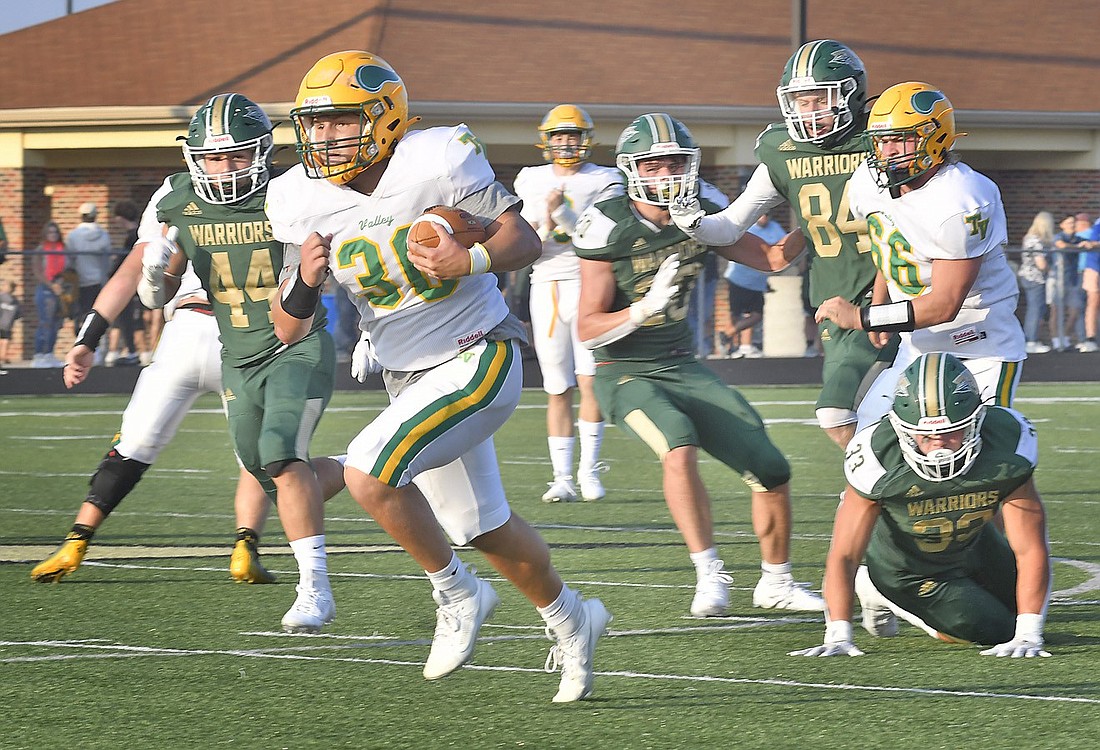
350 82
566 117
918 115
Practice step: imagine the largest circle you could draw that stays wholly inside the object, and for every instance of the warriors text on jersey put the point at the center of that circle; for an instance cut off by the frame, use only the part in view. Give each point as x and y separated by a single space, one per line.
929 526
415 322
579 190
611 231
814 181
237 261
956 215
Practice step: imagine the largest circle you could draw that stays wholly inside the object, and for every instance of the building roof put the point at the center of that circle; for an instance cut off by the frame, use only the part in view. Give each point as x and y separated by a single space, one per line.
1001 55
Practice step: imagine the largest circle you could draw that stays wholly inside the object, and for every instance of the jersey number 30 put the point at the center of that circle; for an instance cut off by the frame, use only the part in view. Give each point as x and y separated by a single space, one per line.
380 283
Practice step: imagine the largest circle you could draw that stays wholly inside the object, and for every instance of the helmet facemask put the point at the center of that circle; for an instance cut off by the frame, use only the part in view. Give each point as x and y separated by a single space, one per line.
802 126
900 169
661 190
323 159
567 154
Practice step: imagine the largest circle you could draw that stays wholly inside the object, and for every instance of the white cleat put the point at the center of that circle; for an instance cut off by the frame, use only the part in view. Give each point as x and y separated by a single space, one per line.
712 592
591 486
878 619
561 491
787 595
456 628
313 609
574 653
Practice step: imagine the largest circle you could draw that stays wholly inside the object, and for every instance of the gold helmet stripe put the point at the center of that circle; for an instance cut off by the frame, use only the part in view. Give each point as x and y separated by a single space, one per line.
803 66
219 115
662 127
934 399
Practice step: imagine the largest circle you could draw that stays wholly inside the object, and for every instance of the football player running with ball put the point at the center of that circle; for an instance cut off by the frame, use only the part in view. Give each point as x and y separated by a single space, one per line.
443 335
637 271
938 235
923 487
274 393
554 195
808 163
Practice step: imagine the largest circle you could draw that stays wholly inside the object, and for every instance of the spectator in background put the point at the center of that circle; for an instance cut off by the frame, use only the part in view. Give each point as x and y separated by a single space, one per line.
1032 277
10 312
130 322
3 243
701 308
89 248
48 262
1089 268
1063 289
746 292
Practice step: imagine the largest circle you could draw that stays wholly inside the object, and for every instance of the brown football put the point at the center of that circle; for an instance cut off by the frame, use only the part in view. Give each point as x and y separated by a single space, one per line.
464 226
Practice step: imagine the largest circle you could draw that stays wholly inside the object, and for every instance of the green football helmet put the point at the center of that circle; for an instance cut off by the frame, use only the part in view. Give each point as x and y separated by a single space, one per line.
828 67
937 394
654 136
225 124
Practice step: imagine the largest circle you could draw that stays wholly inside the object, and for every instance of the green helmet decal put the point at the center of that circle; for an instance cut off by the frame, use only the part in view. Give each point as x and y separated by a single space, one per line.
656 136
228 123
832 71
936 395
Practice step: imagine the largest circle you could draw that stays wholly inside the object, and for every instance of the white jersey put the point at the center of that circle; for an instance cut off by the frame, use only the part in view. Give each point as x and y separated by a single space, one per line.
533 184
956 215
150 228
415 322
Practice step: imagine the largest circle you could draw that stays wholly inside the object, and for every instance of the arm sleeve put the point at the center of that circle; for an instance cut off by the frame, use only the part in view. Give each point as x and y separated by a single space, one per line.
150 225
727 226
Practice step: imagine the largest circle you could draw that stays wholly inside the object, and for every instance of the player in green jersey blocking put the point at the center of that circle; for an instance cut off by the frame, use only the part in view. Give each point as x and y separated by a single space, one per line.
637 271
807 162
274 393
923 487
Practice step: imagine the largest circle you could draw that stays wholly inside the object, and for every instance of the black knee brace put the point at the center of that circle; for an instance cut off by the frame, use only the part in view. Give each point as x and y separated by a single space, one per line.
113 480
275 468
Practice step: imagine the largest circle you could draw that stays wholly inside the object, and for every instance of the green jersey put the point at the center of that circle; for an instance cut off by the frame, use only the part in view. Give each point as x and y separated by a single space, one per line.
814 181
237 260
610 231
927 527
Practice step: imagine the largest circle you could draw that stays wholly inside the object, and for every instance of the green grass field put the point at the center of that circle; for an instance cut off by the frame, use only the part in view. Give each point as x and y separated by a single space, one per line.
150 644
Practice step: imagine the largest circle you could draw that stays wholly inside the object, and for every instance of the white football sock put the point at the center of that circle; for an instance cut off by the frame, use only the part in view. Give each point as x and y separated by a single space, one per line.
561 455
591 434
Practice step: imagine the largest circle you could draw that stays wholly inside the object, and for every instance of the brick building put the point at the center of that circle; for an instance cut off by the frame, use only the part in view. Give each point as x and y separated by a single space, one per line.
92 102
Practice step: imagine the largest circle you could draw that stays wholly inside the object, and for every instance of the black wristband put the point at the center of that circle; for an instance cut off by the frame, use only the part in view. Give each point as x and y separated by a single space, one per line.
300 299
91 330
888 318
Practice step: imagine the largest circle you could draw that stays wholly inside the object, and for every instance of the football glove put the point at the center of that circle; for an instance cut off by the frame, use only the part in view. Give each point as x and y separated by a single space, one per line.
838 642
364 360
660 293
1026 643
686 214
154 260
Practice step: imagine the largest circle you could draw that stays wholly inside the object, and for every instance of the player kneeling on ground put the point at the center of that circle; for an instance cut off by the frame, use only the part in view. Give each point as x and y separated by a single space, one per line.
923 486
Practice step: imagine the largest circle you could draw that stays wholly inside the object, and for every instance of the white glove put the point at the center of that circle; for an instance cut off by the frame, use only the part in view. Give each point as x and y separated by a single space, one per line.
660 293
154 260
838 642
1027 642
364 360
686 214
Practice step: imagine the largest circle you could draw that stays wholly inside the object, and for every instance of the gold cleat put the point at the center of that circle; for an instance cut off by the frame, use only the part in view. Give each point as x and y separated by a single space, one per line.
245 565
66 560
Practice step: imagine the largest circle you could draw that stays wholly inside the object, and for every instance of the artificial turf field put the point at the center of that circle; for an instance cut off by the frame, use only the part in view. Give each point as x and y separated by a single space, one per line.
150 644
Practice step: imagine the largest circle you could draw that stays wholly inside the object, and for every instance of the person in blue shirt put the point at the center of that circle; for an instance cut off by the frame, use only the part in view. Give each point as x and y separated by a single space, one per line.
746 293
